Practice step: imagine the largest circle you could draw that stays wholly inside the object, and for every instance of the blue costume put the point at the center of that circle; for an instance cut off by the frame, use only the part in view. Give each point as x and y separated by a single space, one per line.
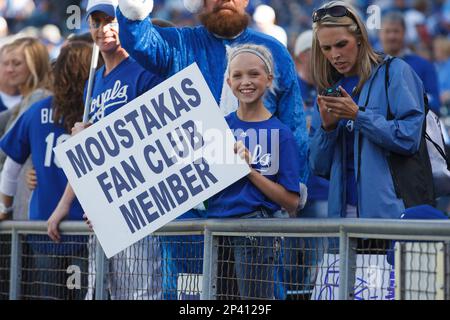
166 51
374 136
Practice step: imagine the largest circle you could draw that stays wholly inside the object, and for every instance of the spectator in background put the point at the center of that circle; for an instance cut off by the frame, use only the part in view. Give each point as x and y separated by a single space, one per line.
302 59
16 12
416 30
392 37
446 17
51 37
442 56
27 66
3 27
264 17
317 203
44 125
391 5
9 91
303 255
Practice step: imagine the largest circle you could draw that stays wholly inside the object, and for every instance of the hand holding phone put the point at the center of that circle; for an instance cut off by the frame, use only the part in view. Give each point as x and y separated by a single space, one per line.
331 92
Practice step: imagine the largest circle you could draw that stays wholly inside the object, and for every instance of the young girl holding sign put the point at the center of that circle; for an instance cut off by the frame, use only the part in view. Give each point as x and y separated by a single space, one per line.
273 182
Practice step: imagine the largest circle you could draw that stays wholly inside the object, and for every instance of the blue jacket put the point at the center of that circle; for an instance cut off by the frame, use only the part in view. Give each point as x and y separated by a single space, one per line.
428 74
166 51
375 137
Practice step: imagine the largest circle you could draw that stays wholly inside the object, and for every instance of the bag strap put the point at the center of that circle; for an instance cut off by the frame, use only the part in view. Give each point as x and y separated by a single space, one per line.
387 63
439 149
389 115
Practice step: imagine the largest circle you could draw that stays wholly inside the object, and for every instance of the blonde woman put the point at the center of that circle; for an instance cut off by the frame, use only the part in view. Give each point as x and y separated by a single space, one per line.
353 134
27 65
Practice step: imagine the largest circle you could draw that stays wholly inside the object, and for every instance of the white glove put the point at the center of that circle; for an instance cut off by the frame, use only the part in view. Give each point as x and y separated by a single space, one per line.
303 196
136 9
193 6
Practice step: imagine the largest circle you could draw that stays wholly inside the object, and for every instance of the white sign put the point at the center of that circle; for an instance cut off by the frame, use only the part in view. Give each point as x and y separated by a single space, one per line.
152 160
374 278
189 286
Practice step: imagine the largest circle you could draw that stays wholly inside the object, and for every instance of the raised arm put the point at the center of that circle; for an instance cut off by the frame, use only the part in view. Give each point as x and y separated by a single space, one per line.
60 213
159 50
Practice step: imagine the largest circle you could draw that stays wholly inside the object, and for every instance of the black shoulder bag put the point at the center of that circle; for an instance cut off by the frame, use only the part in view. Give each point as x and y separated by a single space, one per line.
411 174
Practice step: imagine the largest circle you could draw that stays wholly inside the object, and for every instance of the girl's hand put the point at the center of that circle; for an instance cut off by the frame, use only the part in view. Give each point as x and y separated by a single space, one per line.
243 152
88 222
53 228
79 126
340 107
61 211
31 179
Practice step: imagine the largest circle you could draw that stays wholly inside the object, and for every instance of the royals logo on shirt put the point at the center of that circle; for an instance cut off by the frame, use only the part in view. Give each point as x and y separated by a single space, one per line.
110 98
263 145
350 125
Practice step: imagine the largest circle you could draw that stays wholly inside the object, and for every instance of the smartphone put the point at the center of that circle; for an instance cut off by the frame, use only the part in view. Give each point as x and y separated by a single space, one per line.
331 92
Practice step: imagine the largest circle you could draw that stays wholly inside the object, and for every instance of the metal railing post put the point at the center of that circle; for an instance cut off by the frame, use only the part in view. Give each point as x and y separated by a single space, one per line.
207 248
16 266
399 276
101 272
209 285
447 270
347 266
440 272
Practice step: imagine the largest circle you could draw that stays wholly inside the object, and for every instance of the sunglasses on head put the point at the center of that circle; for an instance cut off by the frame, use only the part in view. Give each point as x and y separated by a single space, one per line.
336 11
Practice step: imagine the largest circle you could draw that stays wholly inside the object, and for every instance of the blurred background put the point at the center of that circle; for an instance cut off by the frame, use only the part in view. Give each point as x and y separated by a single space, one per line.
427 25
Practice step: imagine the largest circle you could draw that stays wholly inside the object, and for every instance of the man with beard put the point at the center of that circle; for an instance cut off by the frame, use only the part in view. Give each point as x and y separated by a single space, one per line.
167 51
224 24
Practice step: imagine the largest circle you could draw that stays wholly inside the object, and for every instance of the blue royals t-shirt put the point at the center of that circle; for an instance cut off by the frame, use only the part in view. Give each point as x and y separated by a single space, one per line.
125 82
35 133
275 155
317 186
349 83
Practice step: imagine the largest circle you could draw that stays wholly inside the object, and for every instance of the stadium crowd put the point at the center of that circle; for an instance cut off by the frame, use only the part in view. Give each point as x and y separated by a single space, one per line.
332 161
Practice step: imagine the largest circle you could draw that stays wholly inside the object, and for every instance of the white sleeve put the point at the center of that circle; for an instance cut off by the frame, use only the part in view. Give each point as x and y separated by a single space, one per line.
9 177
